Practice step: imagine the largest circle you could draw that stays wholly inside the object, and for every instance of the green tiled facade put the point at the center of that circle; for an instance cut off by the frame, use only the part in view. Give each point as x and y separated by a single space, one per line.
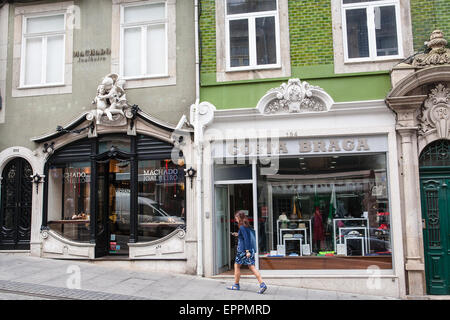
312 56
429 15
310 29
207 26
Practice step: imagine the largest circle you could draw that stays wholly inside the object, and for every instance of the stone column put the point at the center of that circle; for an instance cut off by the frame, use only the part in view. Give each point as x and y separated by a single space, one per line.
407 109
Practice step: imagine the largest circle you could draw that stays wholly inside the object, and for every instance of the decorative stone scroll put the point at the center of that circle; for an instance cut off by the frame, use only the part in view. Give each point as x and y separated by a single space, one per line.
295 97
438 55
111 103
435 112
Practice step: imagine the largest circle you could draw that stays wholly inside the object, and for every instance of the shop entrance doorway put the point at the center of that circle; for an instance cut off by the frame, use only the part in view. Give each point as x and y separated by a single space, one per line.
229 199
15 213
113 208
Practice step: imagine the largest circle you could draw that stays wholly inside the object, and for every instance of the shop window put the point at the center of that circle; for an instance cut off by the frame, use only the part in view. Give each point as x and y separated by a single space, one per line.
252 34
43 50
144 40
371 29
329 212
161 199
151 177
69 200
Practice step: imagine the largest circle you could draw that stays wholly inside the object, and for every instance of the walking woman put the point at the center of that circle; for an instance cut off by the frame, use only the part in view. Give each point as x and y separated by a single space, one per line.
245 252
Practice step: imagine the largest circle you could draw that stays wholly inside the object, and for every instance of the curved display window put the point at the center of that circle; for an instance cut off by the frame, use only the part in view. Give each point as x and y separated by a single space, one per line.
114 190
161 205
69 200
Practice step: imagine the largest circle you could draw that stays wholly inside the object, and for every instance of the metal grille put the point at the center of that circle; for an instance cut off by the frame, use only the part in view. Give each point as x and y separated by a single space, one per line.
78 150
151 148
434 235
437 154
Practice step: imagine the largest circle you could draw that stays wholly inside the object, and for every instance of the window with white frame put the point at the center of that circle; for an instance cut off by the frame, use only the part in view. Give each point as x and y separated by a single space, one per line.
43 50
371 29
144 40
252 34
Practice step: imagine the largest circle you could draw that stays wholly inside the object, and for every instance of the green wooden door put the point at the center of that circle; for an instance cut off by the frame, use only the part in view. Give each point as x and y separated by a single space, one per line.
435 194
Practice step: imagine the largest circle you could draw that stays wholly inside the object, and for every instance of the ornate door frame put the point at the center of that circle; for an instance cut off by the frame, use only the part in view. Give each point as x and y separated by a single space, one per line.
16 205
421 101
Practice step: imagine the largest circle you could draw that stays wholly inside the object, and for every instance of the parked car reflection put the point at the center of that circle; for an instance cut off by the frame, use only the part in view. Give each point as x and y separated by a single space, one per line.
153 221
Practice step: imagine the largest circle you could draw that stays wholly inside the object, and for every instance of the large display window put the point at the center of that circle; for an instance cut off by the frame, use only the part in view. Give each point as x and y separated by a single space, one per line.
114 190
327 212
161 201
69 208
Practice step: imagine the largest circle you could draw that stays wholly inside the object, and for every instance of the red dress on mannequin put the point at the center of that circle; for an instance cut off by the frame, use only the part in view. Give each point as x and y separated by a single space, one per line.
318 230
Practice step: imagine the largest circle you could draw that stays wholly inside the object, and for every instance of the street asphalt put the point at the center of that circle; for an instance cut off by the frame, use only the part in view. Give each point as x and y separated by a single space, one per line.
23 277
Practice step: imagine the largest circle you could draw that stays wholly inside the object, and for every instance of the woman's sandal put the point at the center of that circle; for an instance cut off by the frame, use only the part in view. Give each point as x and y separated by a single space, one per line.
234 287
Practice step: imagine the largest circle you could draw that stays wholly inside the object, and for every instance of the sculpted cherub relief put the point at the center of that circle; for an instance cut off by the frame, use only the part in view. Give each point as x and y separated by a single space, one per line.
111 98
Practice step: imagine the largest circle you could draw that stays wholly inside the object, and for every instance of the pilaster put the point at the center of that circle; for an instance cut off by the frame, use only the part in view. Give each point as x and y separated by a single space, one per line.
407 109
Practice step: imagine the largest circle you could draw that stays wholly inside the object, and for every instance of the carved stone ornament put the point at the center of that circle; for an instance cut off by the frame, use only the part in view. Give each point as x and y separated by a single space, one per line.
111 103
295 97
435 112
438 55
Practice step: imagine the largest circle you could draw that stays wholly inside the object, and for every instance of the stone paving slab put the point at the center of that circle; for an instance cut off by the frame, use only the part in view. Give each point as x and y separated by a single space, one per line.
109 282
60 293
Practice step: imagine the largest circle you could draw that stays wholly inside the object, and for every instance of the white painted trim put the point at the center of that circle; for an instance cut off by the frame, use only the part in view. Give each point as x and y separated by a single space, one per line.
4 27
279 70
21 13
344 65
371 30
168 78
37 165
251 19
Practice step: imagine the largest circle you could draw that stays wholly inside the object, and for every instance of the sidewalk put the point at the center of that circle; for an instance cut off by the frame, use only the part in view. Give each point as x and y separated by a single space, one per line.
51 279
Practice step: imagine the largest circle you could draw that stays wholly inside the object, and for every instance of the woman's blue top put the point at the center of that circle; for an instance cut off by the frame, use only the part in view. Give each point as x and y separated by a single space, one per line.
244 240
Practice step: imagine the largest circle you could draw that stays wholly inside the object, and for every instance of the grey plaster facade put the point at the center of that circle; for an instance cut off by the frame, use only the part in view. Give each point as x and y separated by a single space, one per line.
39 114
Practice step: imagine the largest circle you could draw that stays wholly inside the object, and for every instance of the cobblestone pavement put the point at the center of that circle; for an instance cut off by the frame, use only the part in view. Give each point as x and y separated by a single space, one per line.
25 277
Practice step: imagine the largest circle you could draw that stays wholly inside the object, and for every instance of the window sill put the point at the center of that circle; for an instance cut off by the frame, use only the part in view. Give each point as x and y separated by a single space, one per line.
147 82
375 60
133 78
41 86
259 68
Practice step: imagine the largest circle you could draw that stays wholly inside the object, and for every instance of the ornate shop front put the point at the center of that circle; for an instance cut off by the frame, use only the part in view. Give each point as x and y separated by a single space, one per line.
421 99
317 182
114 185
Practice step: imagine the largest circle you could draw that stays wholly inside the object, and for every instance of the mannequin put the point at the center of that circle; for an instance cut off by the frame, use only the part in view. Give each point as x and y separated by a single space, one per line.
318 230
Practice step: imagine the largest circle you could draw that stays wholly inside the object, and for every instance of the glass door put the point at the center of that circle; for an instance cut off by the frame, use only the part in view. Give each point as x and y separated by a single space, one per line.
119 207
222 232
229 199
113 208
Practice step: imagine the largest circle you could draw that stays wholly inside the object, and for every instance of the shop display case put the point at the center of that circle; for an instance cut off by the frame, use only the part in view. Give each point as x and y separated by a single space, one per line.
303 228
352 228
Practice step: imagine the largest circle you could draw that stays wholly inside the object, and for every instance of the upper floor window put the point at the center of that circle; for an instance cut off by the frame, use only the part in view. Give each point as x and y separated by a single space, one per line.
43 39
371 29
252 34
144 40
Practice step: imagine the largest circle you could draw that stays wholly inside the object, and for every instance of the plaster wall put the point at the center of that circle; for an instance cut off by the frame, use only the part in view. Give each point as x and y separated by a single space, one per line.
32 116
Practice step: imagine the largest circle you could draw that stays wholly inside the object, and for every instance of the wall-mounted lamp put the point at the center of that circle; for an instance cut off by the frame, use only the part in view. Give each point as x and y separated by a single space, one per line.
49 148
36 178
190 173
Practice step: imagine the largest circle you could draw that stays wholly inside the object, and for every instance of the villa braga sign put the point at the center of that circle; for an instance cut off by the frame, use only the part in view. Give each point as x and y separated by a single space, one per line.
299 146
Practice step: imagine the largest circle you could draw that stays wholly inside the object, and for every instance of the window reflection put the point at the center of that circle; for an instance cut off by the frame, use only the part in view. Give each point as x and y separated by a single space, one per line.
69 195
161 202
325 207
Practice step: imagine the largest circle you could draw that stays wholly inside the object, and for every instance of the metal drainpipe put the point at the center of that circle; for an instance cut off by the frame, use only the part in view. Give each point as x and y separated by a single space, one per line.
198 136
